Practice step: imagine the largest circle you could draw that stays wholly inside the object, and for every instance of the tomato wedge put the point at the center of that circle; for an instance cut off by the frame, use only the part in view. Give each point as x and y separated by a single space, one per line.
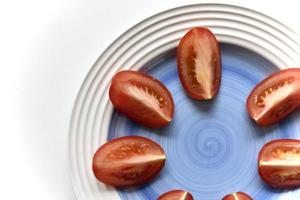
237 196
275 97
176 195
279 163
199 63
128 161
142 98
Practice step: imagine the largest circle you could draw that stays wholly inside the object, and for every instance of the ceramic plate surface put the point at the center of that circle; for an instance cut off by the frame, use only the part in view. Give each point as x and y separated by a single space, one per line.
212 146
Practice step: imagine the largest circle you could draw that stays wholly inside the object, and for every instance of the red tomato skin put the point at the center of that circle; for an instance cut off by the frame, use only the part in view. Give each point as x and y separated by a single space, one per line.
283 91
237 196
278 163
141 98
176 195
111 161
203 38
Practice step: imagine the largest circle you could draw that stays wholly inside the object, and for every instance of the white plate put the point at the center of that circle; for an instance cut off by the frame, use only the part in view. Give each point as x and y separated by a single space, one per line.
150 39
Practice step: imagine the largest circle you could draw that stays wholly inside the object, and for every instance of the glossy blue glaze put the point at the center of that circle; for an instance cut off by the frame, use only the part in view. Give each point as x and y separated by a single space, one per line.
211 146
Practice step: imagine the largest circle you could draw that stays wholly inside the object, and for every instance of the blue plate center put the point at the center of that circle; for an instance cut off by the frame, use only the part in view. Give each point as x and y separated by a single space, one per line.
211 146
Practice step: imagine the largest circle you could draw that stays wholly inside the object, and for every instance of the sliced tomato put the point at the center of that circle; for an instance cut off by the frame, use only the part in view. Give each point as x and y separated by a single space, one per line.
275 97
176 195
142 98
279 163
128 161
237 196
199 63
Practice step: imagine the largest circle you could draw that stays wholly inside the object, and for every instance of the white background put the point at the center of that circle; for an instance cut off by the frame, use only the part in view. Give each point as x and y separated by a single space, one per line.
47 47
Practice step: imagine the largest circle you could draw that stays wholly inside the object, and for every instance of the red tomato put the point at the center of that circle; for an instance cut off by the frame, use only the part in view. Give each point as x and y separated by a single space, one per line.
142 98
275 97
237 196
279 163
176 195
199 63
128 161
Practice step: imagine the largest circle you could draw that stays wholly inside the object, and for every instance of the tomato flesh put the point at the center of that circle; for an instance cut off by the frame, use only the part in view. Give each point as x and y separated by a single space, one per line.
237 196
128 161
279 163
176 195
142 98
199 63
275 97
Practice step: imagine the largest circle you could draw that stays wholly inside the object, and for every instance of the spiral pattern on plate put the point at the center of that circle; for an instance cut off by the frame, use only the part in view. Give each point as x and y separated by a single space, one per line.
211 146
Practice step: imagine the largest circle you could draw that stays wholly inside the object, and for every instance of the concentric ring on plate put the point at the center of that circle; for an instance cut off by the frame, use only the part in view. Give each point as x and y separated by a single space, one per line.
150 39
